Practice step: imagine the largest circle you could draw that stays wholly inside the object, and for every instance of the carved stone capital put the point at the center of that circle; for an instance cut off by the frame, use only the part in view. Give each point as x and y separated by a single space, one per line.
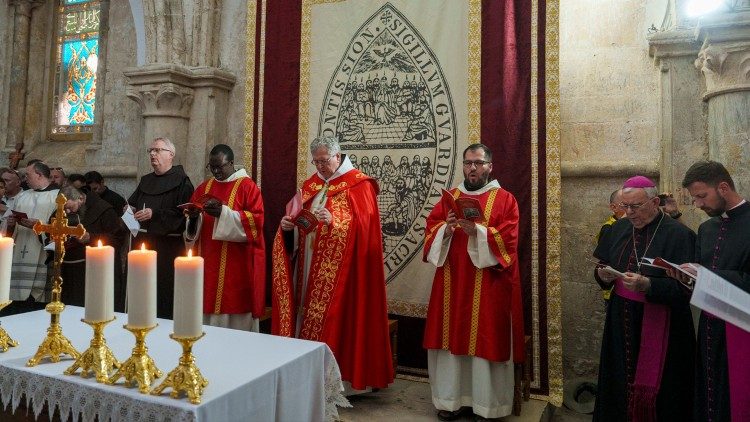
163 100
673 43
724 58
168 89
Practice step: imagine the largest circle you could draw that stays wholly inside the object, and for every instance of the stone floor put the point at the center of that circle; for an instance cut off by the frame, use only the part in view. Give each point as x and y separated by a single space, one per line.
409 400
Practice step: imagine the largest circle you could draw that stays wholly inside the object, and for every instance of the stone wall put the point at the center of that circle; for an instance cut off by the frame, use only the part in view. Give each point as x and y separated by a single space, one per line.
609 104
118 148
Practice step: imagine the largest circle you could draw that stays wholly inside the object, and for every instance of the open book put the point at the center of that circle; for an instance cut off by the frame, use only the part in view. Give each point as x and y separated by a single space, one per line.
305 220
198 205
721 298
465 208
665 265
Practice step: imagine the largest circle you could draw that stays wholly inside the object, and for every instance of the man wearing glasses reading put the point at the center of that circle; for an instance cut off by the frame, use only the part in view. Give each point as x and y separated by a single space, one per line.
329 284
474 330
154 204
229 229
648 345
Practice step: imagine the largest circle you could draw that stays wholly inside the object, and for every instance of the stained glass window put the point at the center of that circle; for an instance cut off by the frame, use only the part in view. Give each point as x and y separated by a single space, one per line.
77 58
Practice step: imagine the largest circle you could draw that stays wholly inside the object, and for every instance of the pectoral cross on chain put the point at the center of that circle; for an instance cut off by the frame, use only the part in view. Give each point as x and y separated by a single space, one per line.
59 231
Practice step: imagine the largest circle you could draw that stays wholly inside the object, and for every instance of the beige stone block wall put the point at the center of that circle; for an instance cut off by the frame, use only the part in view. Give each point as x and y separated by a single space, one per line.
609 104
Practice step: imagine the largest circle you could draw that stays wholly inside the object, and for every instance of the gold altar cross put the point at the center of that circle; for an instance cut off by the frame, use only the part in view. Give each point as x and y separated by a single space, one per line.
59 230
56 344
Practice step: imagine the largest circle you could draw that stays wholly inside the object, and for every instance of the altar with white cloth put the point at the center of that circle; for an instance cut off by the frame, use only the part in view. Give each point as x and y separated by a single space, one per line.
252 377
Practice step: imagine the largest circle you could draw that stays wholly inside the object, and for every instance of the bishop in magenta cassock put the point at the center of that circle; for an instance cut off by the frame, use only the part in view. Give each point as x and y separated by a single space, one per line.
648 344
474 330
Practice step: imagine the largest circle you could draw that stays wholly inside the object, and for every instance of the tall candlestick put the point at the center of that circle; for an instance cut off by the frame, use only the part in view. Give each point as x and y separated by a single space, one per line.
6 262
100 283
142 288
188 296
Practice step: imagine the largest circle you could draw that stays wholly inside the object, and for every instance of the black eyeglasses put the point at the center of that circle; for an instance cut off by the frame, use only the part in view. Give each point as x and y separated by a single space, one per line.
477 163
211 168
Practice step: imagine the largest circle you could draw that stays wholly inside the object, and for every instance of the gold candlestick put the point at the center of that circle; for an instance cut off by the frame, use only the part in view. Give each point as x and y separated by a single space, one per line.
56 344
98 358
140 367
186 377
5 340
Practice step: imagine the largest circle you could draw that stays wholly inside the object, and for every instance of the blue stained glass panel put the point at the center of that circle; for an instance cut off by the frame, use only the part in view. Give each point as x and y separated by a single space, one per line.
79 61
67 2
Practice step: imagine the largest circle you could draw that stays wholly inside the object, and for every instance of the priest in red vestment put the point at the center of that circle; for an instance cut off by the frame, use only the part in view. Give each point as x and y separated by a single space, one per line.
474 330
227 221
328 285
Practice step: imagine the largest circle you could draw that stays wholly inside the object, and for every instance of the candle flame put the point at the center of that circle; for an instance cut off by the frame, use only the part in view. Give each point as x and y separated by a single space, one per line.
143 246
100 243
190 253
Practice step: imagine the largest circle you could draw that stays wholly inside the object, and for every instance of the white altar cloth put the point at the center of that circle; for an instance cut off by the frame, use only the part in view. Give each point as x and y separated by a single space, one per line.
251 376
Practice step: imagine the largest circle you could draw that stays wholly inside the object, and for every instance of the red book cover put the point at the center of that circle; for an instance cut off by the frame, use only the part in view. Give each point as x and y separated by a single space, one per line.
199 204
465 208
305 221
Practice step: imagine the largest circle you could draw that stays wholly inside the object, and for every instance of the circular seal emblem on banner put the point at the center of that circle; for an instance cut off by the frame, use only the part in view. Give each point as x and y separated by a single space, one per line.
389 104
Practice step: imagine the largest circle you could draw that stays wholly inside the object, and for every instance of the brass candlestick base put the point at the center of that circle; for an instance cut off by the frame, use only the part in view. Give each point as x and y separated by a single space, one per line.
98 358
55 344
5 340
186 377
140 367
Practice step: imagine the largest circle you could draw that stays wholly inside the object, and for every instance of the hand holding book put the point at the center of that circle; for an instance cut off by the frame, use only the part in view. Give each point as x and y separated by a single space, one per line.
684 273
208 203
465 208
296 215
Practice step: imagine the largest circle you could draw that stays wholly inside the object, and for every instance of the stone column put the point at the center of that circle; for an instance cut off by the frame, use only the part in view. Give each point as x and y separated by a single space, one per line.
724 60
19 74
186 105
682 112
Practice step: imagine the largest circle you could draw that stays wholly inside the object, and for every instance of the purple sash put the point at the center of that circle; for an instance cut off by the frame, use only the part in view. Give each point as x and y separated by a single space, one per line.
651 356
738 344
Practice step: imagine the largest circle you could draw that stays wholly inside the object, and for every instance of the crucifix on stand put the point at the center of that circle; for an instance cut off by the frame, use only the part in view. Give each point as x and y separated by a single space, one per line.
56 344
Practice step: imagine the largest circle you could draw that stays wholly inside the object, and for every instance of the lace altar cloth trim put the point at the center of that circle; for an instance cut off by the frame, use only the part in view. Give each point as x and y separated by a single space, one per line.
90 404
333 388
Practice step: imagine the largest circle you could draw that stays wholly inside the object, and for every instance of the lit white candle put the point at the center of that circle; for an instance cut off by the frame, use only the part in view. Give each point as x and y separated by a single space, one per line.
142 288
100 283
6 262
188 296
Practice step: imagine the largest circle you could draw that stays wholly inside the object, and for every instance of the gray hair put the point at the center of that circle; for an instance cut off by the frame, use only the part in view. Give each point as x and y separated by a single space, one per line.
71 192
168 143
330 143
650 192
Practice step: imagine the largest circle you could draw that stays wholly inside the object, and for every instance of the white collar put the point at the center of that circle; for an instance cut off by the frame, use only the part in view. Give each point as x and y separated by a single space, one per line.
725 215
494 184
234 176
345 167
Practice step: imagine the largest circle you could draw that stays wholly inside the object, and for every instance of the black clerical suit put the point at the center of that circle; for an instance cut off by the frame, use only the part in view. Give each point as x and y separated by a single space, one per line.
723 247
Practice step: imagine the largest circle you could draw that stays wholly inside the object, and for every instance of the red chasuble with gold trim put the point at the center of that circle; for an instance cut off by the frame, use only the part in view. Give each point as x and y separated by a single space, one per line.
344 303
234 272
473 311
